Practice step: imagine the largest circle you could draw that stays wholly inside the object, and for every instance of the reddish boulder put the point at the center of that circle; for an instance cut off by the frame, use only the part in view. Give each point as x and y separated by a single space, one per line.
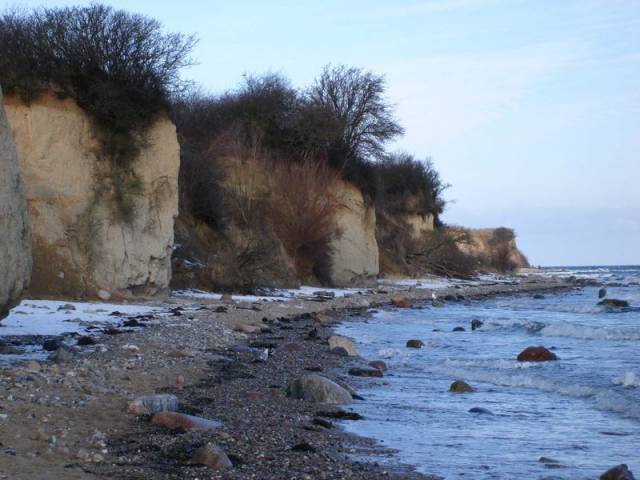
402 303
378 364
414 343
619 472
365 372
180 421
536 354
212 456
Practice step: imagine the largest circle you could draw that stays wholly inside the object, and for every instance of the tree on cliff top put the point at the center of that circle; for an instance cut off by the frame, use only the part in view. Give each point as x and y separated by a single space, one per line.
119 67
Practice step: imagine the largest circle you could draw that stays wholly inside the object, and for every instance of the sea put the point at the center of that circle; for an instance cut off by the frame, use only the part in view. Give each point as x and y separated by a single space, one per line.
568 419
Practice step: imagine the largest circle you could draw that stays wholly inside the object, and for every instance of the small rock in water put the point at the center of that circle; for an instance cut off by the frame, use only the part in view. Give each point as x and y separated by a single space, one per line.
619 472
212 456
460 386
67 307
480 410
613 302
538 296
602 293
414 343
337 341
51 345
365 372
475 324
150 404
458 329
536 354
379 364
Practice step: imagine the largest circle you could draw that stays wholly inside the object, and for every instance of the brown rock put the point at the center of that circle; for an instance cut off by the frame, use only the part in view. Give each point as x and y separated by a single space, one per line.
365 372
180 421
337 341
316 388
402 303
247 328
379 364
461 387
612 302
619 472
212 456
536 354
415 343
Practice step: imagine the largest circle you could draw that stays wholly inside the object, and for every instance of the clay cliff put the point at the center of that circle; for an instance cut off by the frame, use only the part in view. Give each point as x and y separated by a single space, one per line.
15 233
83 243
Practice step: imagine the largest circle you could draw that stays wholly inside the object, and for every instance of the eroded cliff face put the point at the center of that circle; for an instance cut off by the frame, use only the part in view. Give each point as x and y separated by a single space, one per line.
82 247
495 248
15 233
354 249
418 224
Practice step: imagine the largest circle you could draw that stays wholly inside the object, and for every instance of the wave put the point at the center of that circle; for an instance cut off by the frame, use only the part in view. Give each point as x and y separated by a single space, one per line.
629 379
584 332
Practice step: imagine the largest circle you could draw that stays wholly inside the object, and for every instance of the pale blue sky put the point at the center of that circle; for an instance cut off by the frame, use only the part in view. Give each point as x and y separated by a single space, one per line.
530 109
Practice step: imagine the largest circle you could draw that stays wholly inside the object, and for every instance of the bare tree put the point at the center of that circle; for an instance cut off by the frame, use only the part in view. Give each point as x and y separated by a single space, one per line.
356 99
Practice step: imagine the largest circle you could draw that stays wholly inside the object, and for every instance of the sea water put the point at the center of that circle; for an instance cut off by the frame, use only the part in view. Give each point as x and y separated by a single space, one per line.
569 419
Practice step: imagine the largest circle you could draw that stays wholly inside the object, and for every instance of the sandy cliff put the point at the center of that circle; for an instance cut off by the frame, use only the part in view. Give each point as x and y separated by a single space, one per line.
81 245
15 234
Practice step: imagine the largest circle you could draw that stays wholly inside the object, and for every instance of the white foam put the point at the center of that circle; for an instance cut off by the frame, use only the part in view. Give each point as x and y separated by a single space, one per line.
629 379
584 332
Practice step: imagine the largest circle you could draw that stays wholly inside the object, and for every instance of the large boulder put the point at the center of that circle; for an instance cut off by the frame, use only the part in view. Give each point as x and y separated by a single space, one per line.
99 230
15 231
354 248
614 302
337 341
319 389
536 354
619 472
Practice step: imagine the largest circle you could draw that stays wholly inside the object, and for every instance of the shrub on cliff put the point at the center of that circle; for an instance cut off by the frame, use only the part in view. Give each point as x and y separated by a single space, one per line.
119 67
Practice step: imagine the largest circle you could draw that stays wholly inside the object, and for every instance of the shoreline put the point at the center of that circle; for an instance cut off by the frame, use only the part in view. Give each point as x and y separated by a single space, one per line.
56 408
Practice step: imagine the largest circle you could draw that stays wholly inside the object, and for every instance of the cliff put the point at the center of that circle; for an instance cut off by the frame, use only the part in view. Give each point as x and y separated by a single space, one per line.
15 233
495 249
82 245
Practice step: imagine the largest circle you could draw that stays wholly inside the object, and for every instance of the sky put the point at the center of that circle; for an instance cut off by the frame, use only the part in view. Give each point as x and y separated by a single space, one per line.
530 110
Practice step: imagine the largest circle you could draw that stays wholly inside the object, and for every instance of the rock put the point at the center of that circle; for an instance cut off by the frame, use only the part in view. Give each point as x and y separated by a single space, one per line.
341 352
104 295
602 293
365 372
319 389
180 421
150 404
354 257
437 303
536 354
15 228
458 329
324 294
336 341
538 296
461 387
475 324
62 355
94 242
402 303
619 472
303 447
51 345
67 307
322 318
415 343
245 328
480 411
212 456
86 341
613 302
379 364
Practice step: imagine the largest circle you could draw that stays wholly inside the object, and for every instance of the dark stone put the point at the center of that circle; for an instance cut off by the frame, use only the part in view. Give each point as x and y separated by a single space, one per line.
475 324
340 414
321 422
619 472
415 343
480 411
365 372
458 329
602 293
85 341
461 387
303 447
538 296
536 354
613 302
342 352
379 364
51 345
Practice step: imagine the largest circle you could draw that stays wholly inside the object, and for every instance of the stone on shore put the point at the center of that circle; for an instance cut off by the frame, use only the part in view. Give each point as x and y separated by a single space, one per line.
619 472
337 341
461 387
245 328
536 354
212 456
379 364
365 372
150 404
318 389
402 303
414 343
614 302
180 421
